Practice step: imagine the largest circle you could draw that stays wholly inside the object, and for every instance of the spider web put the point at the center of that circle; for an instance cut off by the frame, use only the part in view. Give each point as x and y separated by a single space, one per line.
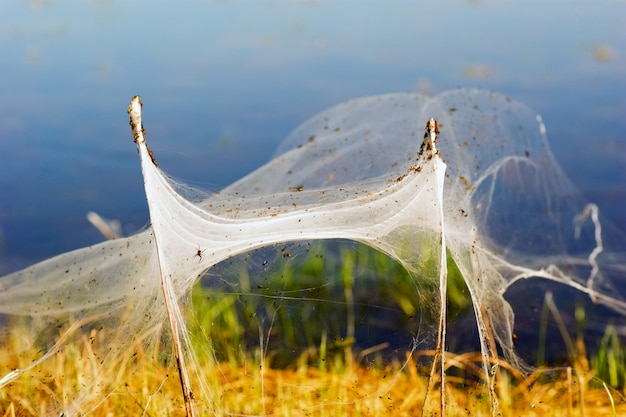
495 204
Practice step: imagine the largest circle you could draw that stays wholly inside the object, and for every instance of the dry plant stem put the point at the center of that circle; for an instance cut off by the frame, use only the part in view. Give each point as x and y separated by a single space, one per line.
570 394
439 357
430 139
443 315
134 111
496 378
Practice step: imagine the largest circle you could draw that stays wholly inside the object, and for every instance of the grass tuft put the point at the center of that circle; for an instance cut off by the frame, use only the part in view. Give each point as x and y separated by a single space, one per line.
292 346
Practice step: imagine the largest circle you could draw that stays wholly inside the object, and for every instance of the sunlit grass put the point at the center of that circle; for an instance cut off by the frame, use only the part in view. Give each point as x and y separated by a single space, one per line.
300 367
335 389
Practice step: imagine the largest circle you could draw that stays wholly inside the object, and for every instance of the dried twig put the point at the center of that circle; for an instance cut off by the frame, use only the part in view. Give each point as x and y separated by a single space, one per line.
134 111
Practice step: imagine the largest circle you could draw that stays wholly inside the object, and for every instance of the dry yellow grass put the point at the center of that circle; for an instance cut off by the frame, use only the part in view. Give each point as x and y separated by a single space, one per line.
138 385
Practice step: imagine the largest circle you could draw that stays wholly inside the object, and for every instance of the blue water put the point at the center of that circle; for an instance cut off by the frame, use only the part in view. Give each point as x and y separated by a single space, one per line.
224 82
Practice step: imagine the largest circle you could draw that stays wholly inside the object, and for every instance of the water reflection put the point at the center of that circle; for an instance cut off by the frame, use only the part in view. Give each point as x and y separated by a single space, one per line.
224 82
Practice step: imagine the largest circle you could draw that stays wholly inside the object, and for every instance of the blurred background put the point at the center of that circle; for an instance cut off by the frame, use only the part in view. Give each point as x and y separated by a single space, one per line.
223 82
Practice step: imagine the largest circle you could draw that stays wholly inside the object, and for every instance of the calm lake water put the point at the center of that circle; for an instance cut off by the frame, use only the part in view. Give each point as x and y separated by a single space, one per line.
224 82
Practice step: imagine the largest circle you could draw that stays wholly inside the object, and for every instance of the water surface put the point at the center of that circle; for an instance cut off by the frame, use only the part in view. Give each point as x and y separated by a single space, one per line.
224 82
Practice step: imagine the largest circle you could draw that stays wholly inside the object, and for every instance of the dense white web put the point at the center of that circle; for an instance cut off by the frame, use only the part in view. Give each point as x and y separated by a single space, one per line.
491 199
